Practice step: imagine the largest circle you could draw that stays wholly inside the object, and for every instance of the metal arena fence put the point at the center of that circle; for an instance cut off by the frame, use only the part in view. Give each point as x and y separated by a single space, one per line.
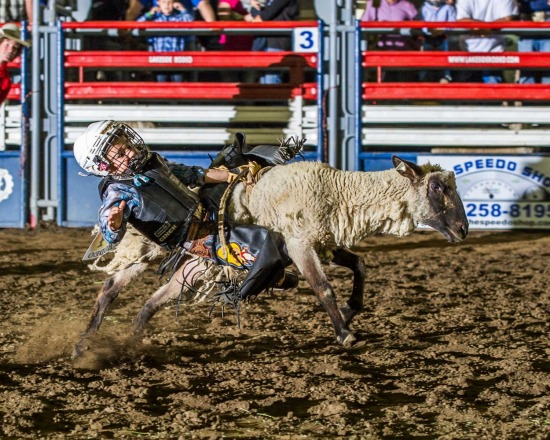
334 94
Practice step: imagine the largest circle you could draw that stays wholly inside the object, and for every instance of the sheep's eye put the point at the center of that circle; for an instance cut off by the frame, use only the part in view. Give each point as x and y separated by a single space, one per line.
436 187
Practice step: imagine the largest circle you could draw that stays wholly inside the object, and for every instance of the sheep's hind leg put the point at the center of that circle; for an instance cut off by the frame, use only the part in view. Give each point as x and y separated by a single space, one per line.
109 292
347 259
191 271
307 261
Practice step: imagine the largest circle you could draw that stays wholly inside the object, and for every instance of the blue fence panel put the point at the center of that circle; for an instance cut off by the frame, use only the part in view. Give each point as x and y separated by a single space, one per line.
80 194
13 174
12 191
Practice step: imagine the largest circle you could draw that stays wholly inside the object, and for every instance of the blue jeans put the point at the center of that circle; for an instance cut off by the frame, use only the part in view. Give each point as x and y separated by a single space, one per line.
435 75
271 77
169 77
533 45
489 77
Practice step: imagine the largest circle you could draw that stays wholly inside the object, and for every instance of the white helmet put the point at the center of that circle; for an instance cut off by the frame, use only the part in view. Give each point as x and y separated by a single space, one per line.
91 147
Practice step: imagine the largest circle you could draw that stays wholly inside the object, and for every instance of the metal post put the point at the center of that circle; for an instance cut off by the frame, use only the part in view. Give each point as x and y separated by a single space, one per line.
328 13
333 113
320 93
60 122
24 128
358 97
36 119
349 91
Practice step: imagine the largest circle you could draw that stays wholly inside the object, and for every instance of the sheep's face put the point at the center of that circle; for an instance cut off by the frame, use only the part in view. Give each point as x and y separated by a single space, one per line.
438 204
446 211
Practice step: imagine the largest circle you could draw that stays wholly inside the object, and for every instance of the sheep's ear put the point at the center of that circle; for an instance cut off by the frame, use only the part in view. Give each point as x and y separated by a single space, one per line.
407 169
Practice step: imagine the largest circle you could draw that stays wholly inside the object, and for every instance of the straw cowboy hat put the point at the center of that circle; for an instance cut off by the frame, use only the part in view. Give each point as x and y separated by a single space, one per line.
12 31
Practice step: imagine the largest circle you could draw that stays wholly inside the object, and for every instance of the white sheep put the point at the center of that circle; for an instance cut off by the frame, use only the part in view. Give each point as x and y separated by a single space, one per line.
321 212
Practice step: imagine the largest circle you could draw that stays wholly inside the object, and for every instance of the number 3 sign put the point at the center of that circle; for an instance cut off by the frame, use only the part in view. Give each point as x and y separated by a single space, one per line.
305 39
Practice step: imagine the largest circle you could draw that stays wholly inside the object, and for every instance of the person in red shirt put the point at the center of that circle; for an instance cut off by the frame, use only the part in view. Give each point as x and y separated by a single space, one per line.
11 45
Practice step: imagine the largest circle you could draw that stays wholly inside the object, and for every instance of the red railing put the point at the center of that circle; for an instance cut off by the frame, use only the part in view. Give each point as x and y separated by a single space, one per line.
294 62
220 26
455 60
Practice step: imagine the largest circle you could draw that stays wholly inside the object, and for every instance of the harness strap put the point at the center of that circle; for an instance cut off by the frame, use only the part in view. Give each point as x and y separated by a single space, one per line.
250 181
221 211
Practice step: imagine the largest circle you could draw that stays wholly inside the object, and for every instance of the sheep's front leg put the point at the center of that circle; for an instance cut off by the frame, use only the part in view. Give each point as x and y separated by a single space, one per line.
347 259
307 261
109 292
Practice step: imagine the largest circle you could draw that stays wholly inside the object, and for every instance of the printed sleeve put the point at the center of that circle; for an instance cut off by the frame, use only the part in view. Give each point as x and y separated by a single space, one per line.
113 195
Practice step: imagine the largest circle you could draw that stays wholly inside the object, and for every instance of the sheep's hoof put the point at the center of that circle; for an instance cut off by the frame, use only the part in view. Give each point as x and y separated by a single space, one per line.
77 351
347 339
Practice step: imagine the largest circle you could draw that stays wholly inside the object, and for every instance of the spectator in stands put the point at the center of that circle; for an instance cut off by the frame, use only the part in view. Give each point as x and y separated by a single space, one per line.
231 10
393 10
136 7
108 10
484 11
15 10
537 11
205 8
11 45
436 39
168 11
272 10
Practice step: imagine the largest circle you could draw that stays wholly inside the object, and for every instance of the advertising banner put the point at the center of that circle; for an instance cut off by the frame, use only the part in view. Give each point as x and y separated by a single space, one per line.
501 192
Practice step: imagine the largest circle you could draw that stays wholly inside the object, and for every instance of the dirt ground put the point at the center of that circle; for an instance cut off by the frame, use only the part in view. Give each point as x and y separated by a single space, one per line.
453 345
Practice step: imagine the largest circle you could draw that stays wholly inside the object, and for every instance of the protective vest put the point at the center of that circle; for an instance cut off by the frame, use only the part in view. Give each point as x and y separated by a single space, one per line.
167 207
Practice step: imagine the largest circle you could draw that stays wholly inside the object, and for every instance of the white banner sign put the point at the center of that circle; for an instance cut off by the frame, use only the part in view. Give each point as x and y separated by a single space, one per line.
501 192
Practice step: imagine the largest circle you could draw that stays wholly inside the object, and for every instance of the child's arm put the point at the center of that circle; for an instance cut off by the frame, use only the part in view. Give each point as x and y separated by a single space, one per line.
148 16
115 210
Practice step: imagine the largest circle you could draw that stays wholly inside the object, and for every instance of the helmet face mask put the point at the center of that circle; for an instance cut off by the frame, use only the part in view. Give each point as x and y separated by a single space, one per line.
111 148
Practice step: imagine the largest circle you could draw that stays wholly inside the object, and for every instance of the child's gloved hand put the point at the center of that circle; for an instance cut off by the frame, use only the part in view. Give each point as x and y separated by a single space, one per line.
115 216
252 167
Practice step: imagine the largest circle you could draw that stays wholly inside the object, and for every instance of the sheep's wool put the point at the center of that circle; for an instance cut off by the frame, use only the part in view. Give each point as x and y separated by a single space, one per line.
326 206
